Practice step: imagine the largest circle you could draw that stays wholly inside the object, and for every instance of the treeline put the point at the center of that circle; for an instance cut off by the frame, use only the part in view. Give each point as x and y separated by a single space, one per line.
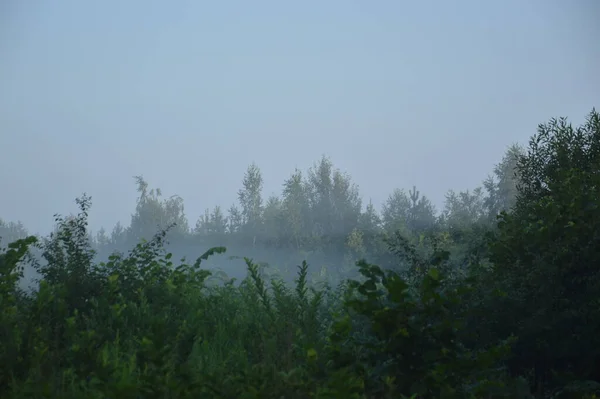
319 216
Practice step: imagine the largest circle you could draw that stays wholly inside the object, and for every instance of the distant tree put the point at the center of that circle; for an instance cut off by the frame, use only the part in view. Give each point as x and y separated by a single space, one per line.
218 221
369 221
320 187
463 209
11 231
347 203
296 210
250 198
235 220
335 201
421 214
118 234
273 221
101 239
211 223
153 213
203 227
501 187
395 211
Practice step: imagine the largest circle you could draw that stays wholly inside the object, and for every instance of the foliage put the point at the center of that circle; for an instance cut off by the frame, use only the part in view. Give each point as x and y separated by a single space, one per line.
452 305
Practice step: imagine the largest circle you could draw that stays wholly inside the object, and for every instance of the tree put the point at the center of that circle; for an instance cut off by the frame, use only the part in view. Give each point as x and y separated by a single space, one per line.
369 221
101 239
11 231
118 234
395 211
501 187
296 210
320 186
335 206
250 197
546 254
463 209
203 224
218 221
154 213
212 223
272 221
421 214
410 213
235 220
346 203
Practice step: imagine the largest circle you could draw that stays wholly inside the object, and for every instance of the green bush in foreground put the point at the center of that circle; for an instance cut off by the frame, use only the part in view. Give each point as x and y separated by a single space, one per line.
142 326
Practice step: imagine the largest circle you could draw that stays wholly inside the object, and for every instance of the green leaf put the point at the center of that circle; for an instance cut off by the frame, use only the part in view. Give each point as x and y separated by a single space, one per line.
434 274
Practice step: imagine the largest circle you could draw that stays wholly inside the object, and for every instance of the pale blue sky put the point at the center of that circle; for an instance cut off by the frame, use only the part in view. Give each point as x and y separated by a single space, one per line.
188 93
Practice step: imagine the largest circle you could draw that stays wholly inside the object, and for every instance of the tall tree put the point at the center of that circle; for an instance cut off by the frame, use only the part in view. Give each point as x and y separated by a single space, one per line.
250 198
395 211
346 202
335 200
421 214
546 254
273 221
296 210
501 186
320 187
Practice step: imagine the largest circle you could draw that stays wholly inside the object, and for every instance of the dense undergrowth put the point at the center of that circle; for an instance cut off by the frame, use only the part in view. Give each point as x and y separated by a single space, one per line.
143 326
521 320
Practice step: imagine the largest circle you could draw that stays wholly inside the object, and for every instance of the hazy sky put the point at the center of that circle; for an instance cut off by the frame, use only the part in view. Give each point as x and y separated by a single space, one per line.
188 93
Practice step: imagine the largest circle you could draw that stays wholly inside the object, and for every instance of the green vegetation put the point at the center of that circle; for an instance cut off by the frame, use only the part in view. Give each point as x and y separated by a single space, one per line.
498 296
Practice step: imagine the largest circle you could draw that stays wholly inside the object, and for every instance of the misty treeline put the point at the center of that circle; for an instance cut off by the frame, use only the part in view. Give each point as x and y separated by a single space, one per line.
319 216
497 295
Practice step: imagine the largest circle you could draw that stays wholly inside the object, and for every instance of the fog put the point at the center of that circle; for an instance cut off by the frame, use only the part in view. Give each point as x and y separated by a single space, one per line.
188 94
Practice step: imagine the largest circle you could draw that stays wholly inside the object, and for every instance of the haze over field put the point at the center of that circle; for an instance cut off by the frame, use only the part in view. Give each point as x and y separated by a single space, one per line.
189 93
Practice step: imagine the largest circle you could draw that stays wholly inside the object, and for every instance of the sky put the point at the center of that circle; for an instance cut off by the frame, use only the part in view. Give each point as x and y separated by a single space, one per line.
189 93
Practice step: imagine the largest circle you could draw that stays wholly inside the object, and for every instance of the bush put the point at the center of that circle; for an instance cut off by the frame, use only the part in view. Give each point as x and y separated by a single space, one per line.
140 325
